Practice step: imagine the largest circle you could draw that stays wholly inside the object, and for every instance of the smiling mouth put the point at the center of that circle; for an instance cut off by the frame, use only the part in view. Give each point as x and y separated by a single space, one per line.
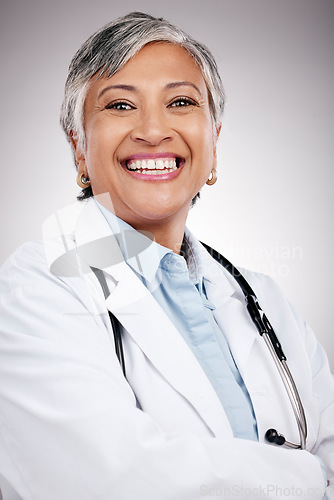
157 166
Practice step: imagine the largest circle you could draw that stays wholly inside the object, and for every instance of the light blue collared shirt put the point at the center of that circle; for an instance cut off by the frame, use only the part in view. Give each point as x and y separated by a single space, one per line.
182 295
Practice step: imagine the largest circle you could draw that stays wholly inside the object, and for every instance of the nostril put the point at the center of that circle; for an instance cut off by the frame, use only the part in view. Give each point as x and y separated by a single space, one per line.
151 131
152 139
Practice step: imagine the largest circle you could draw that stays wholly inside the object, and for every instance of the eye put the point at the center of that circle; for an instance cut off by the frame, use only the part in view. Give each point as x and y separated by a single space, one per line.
182 102
119 106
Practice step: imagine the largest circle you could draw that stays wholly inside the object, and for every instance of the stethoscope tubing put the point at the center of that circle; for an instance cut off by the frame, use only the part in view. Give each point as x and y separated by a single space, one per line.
265 330
292 393
116 327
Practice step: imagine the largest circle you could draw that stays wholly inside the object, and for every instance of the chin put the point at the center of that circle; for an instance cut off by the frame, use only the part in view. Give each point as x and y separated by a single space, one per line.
161 210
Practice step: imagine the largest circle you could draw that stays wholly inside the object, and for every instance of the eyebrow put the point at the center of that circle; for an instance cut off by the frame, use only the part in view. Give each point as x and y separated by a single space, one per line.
174 85
131 88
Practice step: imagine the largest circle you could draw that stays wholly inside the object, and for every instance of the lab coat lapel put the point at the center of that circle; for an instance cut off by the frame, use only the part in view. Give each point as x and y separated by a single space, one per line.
255 364
155 334
230 311
149 326
270 403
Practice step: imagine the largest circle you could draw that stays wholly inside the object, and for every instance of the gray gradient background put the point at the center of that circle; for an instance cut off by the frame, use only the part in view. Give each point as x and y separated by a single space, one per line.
271 209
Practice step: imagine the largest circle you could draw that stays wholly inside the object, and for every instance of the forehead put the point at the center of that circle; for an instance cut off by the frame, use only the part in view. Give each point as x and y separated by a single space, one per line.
159 62
167 55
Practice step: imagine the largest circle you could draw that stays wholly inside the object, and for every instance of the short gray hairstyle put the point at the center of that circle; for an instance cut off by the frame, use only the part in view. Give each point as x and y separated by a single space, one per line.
110 48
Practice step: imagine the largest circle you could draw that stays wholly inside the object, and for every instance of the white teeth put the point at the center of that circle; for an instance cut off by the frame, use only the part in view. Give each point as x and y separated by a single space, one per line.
152 165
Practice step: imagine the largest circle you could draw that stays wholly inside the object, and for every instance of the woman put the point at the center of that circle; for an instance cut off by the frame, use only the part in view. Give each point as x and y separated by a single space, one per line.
185 415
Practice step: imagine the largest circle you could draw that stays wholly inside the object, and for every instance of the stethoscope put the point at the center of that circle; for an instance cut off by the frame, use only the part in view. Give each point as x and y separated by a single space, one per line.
265 330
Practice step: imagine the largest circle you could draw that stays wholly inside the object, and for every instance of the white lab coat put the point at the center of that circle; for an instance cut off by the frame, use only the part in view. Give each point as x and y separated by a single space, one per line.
73 428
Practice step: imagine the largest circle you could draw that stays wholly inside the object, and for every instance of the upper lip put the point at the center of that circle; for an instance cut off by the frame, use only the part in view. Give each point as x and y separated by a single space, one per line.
150 156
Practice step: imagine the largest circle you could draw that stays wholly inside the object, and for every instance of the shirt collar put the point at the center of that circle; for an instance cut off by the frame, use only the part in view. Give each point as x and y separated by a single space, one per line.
195 274
140 252
144 256
213 274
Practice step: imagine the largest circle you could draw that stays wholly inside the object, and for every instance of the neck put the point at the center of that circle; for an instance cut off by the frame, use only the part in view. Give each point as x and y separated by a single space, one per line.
168 231
168 234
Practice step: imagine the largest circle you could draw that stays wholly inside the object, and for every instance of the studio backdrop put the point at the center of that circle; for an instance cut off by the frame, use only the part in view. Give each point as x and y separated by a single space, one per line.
271 209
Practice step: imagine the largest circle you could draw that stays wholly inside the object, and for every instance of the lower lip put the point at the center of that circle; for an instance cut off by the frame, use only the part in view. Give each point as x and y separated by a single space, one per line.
151 177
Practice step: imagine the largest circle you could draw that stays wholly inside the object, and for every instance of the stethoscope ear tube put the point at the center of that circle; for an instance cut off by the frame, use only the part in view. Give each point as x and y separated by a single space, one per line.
262 323
116 327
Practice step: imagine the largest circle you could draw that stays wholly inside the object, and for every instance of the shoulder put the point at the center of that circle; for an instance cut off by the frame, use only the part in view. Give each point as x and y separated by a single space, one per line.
29 287
24 267
26 278
265 287
46 286
31 265
297 338
36 304
286 321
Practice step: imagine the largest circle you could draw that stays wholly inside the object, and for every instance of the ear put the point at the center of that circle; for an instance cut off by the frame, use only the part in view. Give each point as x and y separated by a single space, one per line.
79 156
218 129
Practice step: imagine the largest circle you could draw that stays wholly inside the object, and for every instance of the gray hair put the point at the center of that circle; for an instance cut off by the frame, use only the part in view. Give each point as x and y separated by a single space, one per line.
110 48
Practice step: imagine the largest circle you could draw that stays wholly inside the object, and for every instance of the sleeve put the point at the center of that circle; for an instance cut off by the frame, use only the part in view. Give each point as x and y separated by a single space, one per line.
69 425
322 380
323 387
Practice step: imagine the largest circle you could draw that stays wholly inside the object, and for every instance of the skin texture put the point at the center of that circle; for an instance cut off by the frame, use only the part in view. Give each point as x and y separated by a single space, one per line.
150 116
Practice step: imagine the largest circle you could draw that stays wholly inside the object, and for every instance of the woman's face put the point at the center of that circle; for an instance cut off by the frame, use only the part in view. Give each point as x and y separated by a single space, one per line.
149 136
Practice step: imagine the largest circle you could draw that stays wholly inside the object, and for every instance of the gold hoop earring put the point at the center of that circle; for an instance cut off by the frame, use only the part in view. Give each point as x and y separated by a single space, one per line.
213 179
83 181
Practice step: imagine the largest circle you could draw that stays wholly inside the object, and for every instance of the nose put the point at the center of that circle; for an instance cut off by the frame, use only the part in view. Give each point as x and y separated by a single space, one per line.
152 127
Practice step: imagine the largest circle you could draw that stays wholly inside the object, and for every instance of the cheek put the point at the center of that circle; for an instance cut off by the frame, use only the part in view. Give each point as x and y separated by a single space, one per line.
104 139
201 137
99 146
203 152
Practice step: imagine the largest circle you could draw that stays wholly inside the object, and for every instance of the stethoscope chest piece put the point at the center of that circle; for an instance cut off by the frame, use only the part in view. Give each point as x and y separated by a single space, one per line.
273 437
265 330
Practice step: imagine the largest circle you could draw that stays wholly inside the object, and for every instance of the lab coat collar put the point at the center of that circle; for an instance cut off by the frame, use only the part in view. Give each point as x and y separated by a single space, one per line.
138 248
150 328
145 320
80 230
